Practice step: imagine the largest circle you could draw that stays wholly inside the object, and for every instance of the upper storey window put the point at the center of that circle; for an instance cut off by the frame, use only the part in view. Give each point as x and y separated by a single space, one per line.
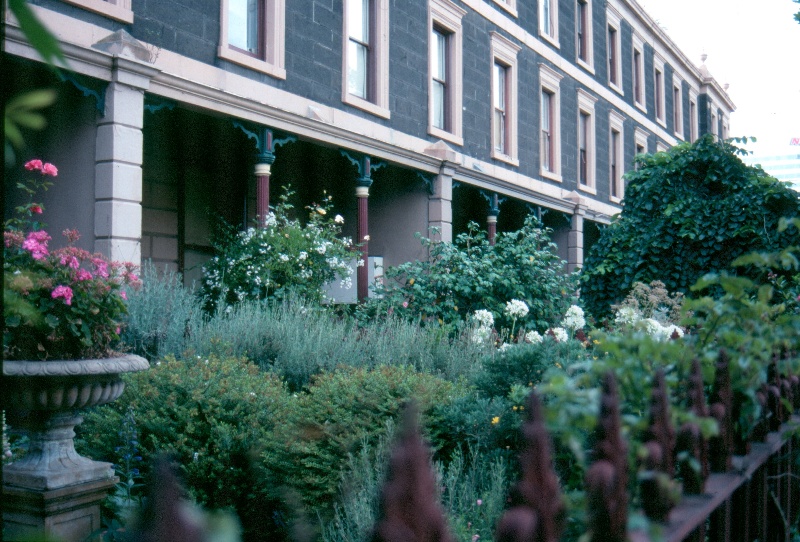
252 34
445 71
638 73
659 89
548 20
508 5
583 34
366 56
614 51
504 99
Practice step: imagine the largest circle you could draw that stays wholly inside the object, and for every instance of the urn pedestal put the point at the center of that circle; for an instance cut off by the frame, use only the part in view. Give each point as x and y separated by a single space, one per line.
52 490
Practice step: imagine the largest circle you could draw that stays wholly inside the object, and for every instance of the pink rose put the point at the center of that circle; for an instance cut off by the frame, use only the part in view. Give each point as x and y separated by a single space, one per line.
49 169
123 295
64 292
34 165
36 209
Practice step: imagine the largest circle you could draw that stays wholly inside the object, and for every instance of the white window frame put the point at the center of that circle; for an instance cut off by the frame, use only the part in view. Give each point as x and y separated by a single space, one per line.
549 82
509 5
616 123
586 103
587 64
677 105
640 139
119 10
378 104
639 98
693 118
659 90
661 147
504 52
273 61
446 15
613 21
549 34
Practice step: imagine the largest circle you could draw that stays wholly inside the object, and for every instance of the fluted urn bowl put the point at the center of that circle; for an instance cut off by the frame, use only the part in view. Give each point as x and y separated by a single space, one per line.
43 398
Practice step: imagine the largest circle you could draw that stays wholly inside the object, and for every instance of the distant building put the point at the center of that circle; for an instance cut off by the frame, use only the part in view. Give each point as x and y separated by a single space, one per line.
785 167
413 114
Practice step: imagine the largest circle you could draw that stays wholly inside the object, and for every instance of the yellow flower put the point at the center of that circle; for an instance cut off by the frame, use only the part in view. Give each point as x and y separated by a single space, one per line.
410 282
515 407
558 365
495 420
321 211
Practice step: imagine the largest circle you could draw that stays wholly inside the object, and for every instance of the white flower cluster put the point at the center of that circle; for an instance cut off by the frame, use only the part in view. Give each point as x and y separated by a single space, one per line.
516 309
483 332
533 337
560 334
626 317
573 318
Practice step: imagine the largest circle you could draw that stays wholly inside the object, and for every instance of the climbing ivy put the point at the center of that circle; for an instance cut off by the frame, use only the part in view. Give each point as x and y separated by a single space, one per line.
687 211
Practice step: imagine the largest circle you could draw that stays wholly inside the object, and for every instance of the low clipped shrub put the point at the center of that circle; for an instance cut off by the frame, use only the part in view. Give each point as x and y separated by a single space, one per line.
339 413
211 415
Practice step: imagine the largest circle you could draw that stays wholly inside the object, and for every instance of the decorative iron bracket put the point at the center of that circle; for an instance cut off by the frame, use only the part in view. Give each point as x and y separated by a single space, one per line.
98 95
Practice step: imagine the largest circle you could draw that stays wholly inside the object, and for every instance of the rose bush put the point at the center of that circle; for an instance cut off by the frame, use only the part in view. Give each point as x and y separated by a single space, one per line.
59 304
285 258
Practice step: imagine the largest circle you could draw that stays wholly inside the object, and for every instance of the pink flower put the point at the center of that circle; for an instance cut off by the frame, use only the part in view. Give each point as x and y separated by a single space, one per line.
70 261
36 244
479 502
49 169
405 304
100 267
63 292
34 165
35 209
118 330
71 235
123 295
83 274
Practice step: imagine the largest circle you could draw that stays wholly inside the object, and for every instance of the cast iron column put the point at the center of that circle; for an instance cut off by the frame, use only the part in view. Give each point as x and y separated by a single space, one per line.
264 160
362 193
491 219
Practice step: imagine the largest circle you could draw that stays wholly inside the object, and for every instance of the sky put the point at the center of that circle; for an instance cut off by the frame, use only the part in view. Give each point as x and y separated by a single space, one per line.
754 46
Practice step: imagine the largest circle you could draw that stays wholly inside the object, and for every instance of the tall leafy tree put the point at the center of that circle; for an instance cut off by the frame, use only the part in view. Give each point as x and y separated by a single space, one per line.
688 211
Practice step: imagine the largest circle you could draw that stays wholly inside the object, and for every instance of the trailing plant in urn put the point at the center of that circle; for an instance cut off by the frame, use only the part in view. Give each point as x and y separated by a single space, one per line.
59 304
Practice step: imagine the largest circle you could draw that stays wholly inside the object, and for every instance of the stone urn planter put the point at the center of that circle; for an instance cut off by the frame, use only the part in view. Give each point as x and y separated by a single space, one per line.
52 489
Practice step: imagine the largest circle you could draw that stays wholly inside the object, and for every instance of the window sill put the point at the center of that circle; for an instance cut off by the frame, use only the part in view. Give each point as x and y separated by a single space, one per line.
588 189
662 122
251 62
445 135
505 158
641 106
107 9
612 199
365 105
511 9
679 135
585 65
550 175
552 40
616 88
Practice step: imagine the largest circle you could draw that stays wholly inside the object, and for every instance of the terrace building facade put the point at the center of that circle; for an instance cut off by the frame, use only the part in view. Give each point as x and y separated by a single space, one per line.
415 115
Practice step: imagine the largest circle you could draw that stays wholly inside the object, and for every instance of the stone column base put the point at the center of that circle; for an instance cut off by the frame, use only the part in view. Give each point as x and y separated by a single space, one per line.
68 513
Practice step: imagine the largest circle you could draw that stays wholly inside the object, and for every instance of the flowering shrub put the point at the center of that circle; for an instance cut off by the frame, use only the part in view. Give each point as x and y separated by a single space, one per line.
284 257
470 274
60 304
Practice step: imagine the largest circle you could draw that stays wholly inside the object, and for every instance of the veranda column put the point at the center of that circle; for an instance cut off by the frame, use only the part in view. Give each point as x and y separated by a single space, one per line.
362 194
491 219
575 236
264 161
440 205
118 150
